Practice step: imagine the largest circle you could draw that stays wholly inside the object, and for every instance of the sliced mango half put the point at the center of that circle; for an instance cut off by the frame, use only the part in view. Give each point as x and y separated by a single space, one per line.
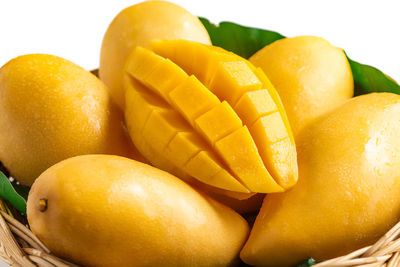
211 115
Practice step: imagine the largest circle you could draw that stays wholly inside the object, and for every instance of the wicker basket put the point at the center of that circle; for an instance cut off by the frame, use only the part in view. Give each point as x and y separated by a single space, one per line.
20 247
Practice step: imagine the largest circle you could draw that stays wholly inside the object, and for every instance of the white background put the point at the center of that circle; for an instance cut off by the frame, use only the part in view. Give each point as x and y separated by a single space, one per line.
369 30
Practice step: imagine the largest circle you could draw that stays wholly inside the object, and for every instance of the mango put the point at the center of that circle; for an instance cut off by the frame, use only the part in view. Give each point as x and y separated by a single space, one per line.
103 210
311 76
243 141
137 26
52 109
348 192
166 132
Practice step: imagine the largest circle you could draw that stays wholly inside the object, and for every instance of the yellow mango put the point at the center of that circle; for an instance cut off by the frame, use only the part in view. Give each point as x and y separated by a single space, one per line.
155 72
238 77
168 123
145 216
311 76
347 196
177 149
190 153
192 99
218 122
284 162
183 147
245 79
240 152
207 169
273 141
137 25
142 62
255 104
275 96
269 129
219 103
199 59
52 109
142 104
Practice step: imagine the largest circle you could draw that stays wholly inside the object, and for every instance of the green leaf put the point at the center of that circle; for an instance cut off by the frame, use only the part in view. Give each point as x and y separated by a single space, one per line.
307 263
245 41
368 79
241 40
22 190
8 192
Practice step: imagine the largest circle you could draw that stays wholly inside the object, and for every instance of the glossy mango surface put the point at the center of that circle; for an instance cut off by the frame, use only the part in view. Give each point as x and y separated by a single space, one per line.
348 192
137 25
52 109
102 210
311 76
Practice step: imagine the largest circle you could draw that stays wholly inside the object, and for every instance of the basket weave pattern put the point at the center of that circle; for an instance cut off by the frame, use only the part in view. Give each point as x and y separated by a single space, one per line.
20 247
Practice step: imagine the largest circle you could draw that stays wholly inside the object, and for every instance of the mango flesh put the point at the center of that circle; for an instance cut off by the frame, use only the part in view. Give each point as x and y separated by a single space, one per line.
347 196
145 216
52 109
227 70
311 76
247 154
137 26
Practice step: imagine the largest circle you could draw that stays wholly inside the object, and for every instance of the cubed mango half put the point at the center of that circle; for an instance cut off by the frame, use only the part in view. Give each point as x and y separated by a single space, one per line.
212 115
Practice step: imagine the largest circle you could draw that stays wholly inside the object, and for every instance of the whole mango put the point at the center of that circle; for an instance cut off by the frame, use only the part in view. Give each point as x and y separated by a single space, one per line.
138 25
102 210
311 76
52 109
348 192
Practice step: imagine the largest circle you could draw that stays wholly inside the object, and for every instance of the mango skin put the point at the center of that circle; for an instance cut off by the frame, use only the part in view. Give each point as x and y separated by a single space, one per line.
109 211
137 26
348 192
311 76
52 109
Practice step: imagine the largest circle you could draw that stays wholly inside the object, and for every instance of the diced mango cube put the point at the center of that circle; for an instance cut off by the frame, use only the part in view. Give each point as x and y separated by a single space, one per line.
162 126
158 160
223 179
198 59
232 80
255 104
192 99
283 162
216 58
168 51
240 153
172 49
165 77
218 122
268 129
140 104
183 147
142 62
159 74
276 148
205 167
275 96
268 85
